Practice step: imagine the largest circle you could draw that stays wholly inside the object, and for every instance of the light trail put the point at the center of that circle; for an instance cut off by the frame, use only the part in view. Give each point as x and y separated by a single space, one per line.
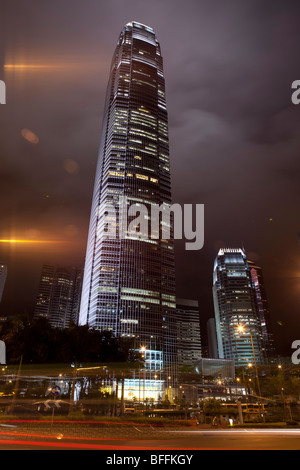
58 437
202 432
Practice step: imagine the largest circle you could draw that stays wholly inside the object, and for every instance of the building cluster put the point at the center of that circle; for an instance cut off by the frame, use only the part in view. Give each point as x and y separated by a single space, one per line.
128 283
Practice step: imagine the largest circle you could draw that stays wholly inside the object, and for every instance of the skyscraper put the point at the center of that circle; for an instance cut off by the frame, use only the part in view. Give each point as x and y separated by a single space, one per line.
188 331
58 296
3 276
129 280
262 309
235 306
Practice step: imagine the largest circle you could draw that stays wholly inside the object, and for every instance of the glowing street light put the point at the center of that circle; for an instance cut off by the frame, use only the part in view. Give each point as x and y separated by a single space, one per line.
241 329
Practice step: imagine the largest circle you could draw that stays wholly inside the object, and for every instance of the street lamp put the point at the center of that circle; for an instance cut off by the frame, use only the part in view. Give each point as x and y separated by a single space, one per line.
241 329
143 355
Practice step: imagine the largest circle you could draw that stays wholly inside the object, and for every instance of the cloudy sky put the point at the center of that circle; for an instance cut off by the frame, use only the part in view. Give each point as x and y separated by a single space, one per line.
234 135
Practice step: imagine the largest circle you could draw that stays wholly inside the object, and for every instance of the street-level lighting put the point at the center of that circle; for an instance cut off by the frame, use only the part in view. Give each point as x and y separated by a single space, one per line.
241 329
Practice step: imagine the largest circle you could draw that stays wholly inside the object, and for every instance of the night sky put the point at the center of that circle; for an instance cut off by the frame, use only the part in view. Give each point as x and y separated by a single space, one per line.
234 136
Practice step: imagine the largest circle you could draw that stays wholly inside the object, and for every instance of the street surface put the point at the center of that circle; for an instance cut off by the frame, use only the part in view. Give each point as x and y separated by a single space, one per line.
77 436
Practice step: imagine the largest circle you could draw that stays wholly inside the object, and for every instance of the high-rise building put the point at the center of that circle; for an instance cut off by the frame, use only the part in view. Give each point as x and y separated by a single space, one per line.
188 331
3 276
262 309
129 279
58 297
235 307
42 306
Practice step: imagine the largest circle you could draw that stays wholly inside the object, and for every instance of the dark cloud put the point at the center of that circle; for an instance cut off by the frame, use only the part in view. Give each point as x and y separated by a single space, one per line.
234 134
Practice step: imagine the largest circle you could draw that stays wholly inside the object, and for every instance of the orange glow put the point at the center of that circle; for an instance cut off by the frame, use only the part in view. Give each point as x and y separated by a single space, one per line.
28 241
31 66
40 67
30 136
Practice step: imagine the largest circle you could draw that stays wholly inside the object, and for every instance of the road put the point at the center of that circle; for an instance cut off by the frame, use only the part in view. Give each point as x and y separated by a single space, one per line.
62 437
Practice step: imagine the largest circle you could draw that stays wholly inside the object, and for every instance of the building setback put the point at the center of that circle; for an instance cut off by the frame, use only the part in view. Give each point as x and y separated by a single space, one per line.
188 331
129 280
235 306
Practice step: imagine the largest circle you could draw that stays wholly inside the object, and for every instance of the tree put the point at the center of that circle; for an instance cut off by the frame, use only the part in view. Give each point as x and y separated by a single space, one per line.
212 406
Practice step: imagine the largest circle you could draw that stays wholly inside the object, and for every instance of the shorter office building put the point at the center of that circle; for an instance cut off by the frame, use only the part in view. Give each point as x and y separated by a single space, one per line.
59 295
188 331
215 369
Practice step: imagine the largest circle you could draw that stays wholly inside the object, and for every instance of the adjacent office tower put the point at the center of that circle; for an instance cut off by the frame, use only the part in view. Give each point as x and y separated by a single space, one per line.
188 331
3 276
129 282
262 309
58 296
235 306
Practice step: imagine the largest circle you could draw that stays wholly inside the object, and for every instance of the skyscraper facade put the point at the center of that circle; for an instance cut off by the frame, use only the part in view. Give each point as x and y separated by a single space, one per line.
3 276
58 297
129 280
235 307
262 309
188 331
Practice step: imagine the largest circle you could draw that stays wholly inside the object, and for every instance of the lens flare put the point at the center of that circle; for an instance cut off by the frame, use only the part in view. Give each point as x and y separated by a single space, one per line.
14 241
30 136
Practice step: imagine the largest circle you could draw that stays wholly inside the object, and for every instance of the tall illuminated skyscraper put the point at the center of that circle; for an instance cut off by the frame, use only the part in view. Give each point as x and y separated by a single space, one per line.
129 282
235 305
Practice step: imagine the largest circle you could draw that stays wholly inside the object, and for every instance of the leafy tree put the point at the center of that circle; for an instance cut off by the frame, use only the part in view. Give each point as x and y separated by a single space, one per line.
38 342
212 406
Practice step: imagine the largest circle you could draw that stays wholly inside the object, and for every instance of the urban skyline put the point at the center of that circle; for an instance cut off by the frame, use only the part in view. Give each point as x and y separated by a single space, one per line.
256 152
149 229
